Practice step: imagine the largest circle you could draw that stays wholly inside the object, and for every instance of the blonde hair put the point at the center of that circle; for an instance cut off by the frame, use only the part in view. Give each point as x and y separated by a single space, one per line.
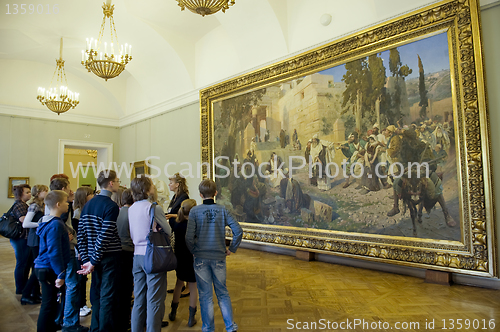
35 191
183 188
186 206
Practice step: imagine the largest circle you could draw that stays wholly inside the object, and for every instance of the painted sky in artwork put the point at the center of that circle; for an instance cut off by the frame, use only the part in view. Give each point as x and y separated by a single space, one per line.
432 50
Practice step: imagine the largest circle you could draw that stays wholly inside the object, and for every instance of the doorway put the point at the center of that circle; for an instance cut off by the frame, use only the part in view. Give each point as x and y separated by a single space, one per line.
104 153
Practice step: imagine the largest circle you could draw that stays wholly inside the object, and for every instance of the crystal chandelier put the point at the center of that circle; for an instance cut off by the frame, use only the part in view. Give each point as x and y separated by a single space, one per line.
205 7
108 64
58 99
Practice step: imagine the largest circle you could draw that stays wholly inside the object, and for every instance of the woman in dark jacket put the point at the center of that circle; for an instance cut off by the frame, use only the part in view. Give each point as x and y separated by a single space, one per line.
185 269
180 189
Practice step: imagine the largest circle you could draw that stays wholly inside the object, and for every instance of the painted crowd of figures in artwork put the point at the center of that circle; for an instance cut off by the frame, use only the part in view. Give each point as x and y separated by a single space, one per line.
331 150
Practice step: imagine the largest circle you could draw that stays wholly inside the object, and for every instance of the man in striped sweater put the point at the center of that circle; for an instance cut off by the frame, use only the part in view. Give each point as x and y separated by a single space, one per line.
99 246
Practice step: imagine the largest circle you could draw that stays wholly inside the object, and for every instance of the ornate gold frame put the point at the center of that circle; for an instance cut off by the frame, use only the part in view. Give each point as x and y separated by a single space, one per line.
475 253
139 164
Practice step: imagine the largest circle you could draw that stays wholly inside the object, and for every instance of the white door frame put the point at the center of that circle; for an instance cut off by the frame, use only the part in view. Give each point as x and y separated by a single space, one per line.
104 151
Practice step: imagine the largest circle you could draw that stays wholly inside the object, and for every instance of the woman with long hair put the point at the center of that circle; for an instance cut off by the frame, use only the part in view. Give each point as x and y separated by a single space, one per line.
184 270
180 189
31 292
150 290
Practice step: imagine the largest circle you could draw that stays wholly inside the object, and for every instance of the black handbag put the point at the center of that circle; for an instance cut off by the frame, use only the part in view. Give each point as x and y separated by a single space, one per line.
159 254
10 227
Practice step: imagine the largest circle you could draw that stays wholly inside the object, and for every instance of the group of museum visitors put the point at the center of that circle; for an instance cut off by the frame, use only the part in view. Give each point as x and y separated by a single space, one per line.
69 235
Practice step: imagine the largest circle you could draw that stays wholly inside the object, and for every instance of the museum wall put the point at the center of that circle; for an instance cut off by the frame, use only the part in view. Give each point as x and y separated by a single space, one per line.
172 137
491 45
29 147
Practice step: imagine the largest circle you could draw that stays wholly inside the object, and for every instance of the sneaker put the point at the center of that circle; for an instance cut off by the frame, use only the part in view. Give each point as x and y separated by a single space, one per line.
85 311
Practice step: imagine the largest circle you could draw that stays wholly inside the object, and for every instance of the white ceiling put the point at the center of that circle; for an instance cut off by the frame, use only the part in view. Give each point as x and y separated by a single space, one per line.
174 53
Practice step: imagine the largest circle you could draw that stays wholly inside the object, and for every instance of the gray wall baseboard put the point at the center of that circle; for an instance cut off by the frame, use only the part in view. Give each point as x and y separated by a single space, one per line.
457 278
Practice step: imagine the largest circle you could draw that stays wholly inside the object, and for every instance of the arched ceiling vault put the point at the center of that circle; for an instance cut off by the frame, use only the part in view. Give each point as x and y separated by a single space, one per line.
175 53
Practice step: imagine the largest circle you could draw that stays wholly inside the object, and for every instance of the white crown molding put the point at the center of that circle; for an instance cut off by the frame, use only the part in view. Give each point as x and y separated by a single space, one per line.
26 112
487 4
168 105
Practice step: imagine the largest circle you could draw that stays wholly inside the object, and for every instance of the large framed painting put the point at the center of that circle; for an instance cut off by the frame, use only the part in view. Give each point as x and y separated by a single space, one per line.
375 146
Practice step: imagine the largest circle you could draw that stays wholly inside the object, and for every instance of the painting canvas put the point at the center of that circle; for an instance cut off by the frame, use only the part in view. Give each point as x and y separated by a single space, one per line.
392 106
375 146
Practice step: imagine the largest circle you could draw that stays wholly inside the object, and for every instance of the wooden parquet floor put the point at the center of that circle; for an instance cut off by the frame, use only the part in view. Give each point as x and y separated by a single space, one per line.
275 293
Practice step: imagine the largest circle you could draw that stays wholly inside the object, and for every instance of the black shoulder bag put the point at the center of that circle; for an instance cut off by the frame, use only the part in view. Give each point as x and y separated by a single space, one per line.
10 227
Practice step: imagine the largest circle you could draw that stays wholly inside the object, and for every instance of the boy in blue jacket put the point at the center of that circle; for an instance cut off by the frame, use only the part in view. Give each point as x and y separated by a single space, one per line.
50 265
206 239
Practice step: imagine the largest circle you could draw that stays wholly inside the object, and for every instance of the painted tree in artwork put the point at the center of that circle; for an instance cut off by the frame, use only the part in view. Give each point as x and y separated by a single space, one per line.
378 77
398 71
358 89
421 89
236 114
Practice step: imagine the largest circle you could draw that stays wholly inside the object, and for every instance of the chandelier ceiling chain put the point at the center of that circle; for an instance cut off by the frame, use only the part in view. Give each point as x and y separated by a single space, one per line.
205 7
107 65
58 99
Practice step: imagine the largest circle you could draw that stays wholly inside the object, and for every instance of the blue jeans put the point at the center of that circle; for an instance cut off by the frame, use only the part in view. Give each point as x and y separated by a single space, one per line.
72 299
213 272
21 272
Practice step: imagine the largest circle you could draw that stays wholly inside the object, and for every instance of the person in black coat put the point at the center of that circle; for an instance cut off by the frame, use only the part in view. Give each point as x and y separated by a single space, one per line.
179 187
185 269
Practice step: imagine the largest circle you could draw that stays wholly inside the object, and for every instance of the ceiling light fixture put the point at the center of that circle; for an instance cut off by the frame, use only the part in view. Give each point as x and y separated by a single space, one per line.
92 153
205 7
58 99
108 64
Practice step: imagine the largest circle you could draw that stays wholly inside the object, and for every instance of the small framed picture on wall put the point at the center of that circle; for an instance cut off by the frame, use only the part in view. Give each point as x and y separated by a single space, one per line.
16 181
139 168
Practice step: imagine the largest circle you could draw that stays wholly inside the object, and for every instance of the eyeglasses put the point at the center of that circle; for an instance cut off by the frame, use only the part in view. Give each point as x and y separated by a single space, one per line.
117 181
